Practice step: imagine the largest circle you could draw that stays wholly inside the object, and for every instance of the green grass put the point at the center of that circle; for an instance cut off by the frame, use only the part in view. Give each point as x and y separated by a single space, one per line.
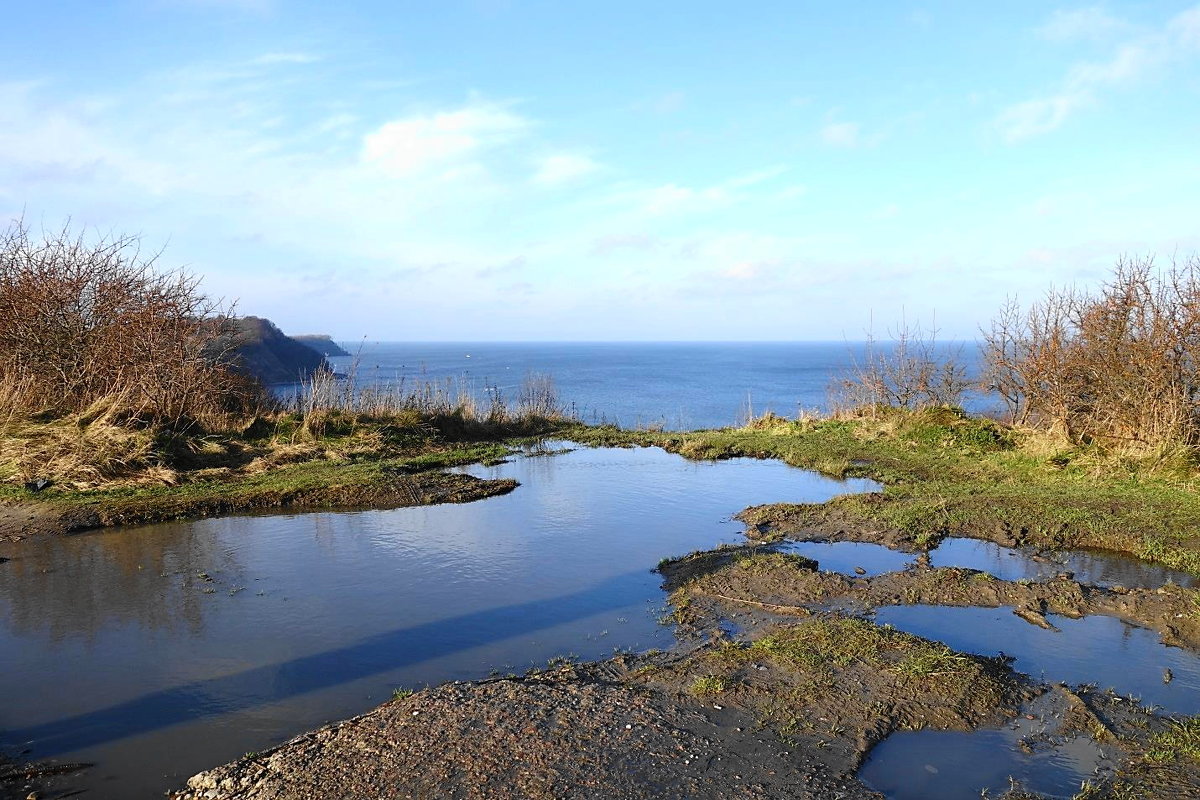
769 562
1180 741
820 644
708 685
841 641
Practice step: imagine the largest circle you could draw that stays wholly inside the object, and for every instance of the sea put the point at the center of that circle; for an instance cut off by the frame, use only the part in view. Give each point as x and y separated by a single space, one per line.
667 385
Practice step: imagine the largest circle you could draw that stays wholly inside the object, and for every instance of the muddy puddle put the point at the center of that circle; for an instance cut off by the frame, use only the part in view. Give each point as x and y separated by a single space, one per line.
1099 650
159 651
850 558
1032 752
1094 567
946 765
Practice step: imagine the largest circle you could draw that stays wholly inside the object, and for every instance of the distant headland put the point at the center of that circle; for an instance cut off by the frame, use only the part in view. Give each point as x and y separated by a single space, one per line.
323 343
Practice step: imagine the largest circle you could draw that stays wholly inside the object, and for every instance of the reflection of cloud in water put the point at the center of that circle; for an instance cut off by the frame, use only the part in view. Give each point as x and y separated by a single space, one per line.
74 586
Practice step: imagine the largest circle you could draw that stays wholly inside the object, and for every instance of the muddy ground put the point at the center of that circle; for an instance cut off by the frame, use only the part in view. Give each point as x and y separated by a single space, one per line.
634 727
24 520
789 707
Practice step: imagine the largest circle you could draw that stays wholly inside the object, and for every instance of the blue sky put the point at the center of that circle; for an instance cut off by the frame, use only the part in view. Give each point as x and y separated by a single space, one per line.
498 169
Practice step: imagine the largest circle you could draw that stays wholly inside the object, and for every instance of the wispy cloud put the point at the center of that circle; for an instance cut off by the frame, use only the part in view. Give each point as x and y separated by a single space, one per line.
410 144
286 58
615 242
1131 61
1091 23
841 134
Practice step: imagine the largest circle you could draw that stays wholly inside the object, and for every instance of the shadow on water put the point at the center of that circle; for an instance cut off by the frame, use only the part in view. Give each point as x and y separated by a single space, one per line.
373 655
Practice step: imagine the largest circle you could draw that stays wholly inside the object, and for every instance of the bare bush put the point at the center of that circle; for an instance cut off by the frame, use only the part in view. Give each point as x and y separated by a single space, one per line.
1120 365
87 319
911 371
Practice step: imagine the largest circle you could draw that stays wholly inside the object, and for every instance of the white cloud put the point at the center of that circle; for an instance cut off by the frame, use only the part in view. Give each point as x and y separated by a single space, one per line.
559 169
670 199
1092 23
1041 115
409 145
755 177
614 242
841 134
749 271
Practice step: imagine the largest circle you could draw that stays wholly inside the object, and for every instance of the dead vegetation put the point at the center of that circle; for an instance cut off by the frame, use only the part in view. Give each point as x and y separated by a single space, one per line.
911 371
1119 366
114 373
89 323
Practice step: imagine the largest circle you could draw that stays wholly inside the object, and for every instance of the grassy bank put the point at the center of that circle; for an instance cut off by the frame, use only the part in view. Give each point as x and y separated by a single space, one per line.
102 472
948 474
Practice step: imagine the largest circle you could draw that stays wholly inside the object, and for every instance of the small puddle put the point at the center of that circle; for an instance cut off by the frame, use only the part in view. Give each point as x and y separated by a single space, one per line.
849 557
947 765
1095 567
1100 650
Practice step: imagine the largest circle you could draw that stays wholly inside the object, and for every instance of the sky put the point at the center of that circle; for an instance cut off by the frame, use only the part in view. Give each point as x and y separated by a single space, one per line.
511 170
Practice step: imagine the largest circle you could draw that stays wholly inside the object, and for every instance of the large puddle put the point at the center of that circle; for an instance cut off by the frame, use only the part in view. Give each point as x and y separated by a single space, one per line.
159 651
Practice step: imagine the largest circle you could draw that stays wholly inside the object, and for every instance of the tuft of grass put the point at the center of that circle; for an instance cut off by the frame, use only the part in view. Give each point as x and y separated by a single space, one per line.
825 642
1181 740
400 693
768 562
708 685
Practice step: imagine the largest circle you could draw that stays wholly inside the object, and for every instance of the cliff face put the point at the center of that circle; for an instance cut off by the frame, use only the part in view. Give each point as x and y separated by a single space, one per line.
262 350
322 343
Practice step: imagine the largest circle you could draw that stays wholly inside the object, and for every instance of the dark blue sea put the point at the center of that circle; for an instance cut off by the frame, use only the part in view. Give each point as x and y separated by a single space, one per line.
674 385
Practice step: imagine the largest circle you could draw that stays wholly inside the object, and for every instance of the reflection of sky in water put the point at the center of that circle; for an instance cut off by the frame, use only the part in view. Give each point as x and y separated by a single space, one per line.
945 765
845 557
1095 649
116 650
1089 566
